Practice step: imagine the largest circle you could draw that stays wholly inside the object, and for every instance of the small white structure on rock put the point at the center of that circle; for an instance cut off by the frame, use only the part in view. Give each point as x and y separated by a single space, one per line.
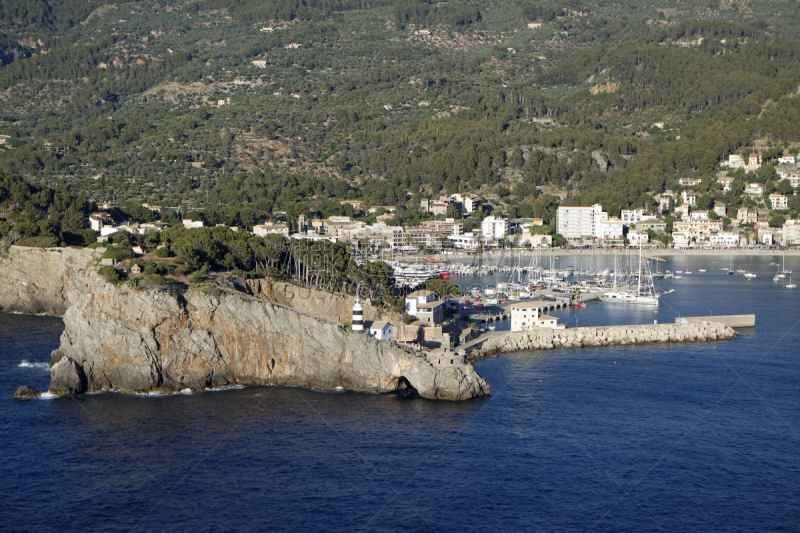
358 316
380 329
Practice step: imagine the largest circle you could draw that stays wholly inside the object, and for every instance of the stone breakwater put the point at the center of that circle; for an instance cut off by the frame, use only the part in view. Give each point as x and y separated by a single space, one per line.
138 340
546 339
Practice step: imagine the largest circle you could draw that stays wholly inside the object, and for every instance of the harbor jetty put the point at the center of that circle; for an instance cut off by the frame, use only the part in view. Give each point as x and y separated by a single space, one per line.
734 321
547 339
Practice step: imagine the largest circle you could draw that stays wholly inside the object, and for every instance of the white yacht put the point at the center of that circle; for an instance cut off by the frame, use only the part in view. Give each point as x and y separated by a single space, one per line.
644 294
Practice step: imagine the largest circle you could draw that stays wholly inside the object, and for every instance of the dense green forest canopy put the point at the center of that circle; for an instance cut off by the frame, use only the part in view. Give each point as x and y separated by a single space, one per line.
237 110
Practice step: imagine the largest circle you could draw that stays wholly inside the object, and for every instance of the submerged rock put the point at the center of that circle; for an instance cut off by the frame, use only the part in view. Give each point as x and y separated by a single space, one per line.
26 392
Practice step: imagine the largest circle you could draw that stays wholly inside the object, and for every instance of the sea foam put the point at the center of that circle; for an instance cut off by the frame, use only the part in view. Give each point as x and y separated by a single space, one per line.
42 366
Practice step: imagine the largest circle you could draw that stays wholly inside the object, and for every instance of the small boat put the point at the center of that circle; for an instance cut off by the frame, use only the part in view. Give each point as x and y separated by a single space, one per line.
783 267
730 272
776 278
702 270
740 271
790 285
749 275
579 304
687 271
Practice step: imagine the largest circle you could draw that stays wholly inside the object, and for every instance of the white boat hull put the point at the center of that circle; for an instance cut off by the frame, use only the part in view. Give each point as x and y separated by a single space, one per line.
628 298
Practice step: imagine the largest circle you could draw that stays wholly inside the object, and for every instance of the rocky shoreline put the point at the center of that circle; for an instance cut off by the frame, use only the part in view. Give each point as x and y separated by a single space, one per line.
141 340
547 339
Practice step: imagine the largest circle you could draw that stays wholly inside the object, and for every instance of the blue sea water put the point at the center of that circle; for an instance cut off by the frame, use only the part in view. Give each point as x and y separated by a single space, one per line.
671 437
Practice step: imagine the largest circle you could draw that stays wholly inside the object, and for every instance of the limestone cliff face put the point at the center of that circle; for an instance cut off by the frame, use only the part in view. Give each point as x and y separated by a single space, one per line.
34 280
144 340
320 304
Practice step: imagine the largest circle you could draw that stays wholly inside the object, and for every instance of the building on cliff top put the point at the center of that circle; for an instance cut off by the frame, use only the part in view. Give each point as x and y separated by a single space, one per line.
380 329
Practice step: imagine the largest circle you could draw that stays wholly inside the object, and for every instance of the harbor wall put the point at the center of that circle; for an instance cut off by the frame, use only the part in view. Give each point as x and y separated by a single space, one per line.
546 339
733 321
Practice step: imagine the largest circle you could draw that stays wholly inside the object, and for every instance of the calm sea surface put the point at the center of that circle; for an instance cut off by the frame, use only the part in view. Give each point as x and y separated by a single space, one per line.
682 437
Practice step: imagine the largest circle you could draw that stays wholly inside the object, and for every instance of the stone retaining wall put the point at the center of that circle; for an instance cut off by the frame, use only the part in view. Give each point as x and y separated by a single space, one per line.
545 339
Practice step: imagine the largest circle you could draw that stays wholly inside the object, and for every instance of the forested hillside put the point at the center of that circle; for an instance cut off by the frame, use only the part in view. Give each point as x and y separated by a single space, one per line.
243 108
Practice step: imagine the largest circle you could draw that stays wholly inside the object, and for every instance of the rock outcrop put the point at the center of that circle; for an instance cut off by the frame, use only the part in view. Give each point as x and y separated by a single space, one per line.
145 340
25 392
34 280
140 340
545 339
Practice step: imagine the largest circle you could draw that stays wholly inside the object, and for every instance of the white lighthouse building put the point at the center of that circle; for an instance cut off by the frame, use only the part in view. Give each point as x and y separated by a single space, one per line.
358 316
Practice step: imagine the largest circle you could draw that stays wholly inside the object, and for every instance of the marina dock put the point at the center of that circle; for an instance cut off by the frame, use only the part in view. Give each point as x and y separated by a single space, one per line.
547 300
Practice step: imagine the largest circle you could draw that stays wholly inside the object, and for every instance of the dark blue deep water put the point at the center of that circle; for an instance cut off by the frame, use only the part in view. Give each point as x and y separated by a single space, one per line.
682 437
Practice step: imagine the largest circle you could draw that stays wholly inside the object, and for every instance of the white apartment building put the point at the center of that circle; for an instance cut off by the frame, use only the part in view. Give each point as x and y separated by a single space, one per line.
688 197
494 228
725 240
699 229
791 232
689 182
467 241
607 228
577 222
632 216
754 189
765 236
681 240
638 238
787 159
779 201
792 175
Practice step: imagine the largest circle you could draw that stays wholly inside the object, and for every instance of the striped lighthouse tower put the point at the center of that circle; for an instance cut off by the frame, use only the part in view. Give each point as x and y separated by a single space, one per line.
358 316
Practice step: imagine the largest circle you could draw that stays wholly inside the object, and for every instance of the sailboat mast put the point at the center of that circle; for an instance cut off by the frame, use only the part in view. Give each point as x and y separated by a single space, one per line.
639 284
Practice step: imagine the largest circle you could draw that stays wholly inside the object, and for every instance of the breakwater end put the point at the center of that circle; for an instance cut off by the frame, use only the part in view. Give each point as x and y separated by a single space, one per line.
547 339
734 321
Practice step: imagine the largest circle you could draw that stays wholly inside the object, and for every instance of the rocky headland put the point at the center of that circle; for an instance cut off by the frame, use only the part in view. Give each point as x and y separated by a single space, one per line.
141 340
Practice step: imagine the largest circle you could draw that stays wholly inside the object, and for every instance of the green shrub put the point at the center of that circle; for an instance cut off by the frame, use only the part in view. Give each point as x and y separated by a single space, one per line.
157 279
39 242
119 253
111 274
163 253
